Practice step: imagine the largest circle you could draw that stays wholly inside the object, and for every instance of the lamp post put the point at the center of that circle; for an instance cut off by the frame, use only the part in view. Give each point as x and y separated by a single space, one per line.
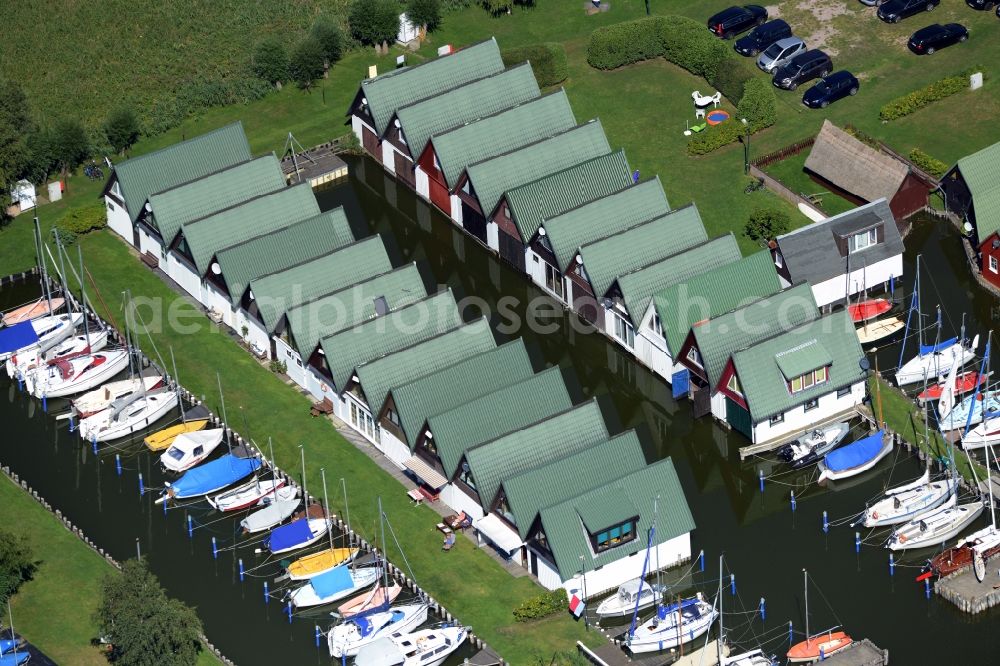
746 146
583 580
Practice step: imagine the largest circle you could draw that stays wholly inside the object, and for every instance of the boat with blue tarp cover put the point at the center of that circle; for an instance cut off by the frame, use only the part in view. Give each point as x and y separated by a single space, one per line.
334 585
7 645
28 335
347 638
14 659
958 417
672 625
855 458
296 534
211 476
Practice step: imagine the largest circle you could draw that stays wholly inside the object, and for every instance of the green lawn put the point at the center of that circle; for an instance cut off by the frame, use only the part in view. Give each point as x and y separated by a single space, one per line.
790 172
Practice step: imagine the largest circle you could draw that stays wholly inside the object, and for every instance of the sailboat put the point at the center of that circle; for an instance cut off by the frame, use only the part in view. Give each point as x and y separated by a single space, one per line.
987 433
301 532
314 564
970 411
29 336
76 375
162 439
101 398
334 585
348 638
19 365
276 510
963 384
630 594
376 599
672 625
820 646
129 415
854 458
246 495
424 647
210 477
33 310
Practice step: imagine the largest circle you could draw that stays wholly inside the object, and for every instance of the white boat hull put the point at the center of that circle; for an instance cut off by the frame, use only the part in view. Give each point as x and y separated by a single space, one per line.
826 474
908 503
345 640
672 632
317 526
985 434
279 509
48 382
424 647
935 528
48 328
191 448
139 415
306 596
21 364
248 494
933 366
623 602
101 398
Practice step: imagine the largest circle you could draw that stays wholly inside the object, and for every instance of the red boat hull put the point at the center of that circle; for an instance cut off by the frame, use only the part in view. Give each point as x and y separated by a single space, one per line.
809 650
963 384
956 558
869 309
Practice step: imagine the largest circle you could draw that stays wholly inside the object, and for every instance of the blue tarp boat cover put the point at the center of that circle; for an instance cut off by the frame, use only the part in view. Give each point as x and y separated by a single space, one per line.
14 660
664 611
17 337
290 535
930 349
855 454
219 473
990 415
333 581
6 645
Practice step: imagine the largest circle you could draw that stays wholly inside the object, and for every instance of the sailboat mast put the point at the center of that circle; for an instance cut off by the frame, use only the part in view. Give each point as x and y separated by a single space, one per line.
41 262
177 383
920 323
385 560
62 262
989 447
326 506
10 615
805 585
305 491
126 297
347 512
722 633
83 297
225 421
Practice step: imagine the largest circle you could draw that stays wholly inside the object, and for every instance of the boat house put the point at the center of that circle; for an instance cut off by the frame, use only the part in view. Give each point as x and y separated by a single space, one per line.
971 191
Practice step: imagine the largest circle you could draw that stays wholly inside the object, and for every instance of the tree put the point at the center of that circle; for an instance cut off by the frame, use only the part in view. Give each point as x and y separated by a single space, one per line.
328 34
306 63
424 12
144 625
501 6
69 145
374 21
16 563
121 129
270 61
15 126
765 224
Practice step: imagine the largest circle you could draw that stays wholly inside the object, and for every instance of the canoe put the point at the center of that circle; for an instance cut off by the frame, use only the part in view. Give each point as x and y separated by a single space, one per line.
869 309
960 556
162 439
874 331
378 598
313 565
276 510
810 649
39 308
963 384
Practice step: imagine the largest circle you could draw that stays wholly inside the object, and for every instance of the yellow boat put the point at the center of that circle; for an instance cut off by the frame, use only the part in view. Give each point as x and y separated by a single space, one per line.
162 439
321 562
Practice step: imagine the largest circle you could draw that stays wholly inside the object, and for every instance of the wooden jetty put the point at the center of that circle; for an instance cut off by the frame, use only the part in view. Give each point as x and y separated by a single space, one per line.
962 589
861 653
316 166
611 654
772 444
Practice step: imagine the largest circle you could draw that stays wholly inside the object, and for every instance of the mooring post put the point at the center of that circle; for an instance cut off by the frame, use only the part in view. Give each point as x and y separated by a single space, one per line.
142 489
826 523
760 474
215 549
118 464
732 584
763 610
892 565
857 542
793 501
241 570
190 523
267 597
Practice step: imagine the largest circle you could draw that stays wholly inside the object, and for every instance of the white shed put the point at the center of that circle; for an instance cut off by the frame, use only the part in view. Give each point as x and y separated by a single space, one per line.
408 32
23 195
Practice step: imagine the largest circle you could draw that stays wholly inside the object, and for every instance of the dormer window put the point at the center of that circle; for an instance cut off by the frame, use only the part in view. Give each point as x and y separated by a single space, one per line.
863 240
809 380
613 536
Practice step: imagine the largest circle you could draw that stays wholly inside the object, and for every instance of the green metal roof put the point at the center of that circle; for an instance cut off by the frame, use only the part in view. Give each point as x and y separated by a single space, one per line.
492 178
720 337
558 436
351 305
981 172
760 372
308 239
604 217
805 357
603 508
194 199
639 286
465 104
398 329
698 298
277 292
558 192
517 405
143 176
256 217
564 527
644 244
380 376
458 384
400 87
502 132
562 479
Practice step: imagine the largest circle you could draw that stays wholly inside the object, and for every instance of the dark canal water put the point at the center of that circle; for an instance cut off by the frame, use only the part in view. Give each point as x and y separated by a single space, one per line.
765 543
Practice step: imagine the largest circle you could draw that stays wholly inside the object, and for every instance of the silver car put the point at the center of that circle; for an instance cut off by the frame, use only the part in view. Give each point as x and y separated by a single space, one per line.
779 53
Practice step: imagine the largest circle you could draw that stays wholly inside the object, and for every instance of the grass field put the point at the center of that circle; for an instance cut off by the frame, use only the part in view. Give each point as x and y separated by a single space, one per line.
789 172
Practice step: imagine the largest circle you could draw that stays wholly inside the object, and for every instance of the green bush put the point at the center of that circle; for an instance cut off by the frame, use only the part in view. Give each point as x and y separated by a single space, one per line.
687 44
758 104
918 99
424 12
730 79
765 224
713 138
934 167
329 35
548 61
307 62
270 60
624 43
84 220
374 21
541 605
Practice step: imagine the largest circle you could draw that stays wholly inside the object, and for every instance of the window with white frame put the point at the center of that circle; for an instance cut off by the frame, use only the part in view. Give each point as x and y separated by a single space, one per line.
993 264
863 240
809 379
624 330
655 325
553 280
694 356
777 418
734 384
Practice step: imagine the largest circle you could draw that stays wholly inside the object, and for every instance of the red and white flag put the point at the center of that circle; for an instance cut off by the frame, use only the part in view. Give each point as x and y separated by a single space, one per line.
576 606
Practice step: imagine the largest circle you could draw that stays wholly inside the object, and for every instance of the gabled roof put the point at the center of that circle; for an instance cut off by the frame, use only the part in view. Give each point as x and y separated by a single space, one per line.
518 452
466 103
563 523
298 242
638 287
812 253
507 130
529 493
458 384
604 217
267 213
721 337
277 292
981 172
854 166
143 176
491 178
558 192
330 313
398 329
830 339
380 376
191 200
517 405
400 87
641 245
700 297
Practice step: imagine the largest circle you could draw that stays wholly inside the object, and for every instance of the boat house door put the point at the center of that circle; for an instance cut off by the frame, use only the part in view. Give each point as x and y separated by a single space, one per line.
738 418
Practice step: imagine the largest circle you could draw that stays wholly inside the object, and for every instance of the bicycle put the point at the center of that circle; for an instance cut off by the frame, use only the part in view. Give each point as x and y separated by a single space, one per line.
754 186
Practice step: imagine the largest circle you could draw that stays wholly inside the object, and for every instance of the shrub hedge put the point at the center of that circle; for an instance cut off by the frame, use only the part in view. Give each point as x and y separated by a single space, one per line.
730 79
82 220
918 99
933 166
716 137
624 43
548 61
687 44
758 104
541 605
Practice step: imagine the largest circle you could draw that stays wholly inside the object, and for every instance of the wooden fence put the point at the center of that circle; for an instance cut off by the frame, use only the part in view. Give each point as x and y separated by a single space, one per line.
782 153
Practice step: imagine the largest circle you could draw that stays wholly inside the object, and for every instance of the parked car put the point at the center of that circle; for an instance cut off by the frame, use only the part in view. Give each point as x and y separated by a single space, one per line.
873 3
985 5
804 67
733 21
831 88
936 37
894 11
761 37
777 54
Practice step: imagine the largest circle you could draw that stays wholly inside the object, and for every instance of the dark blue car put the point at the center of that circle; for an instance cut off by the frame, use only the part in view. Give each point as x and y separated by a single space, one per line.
831 88
935 37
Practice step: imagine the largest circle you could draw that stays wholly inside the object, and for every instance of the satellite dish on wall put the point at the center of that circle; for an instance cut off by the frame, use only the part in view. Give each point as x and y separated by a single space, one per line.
967 227
865 363
396 123
541 231
321 352
465 467
216 268
149 208
364 101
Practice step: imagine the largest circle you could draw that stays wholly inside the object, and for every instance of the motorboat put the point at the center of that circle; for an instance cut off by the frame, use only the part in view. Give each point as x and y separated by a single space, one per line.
378 598
296 534
936 527
820 646
129 415
315 564
986 433
934 361
977 403
880 329
29 336
191 448
40 308
20 365
908 501
334 585
868 309
632 595
854 458
347 638
76 375
275 510
162 439
99 399
673 625
963 384
210 477
424 647
812 446
246 495
986 542
752 658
